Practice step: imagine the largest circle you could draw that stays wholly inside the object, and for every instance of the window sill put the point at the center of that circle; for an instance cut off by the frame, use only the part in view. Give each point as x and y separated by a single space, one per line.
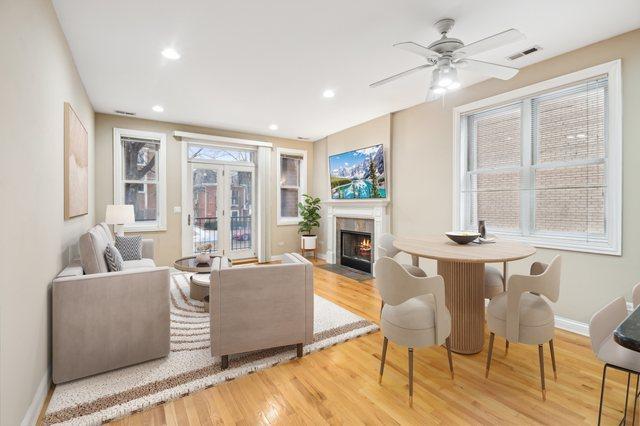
563 243
288 221
145 228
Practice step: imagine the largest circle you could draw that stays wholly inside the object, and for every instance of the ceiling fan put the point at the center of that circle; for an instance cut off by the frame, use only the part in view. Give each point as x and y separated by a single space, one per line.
447 55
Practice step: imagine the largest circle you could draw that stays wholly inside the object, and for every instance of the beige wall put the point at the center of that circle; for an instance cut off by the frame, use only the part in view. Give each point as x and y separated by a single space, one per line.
168 243
421 180
37 76
372 132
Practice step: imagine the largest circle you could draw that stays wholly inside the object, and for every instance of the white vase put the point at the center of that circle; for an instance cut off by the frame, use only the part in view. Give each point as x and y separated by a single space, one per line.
202 258
308 242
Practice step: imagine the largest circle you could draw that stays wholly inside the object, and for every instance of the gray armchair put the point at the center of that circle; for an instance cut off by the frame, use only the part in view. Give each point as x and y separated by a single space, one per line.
262 306
106 320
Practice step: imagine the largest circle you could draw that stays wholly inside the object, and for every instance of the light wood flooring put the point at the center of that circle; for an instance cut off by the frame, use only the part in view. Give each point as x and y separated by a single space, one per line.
339 385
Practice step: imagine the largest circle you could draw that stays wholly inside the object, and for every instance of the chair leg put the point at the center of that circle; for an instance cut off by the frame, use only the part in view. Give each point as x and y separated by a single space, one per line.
411 377
604 376
504 276
385 342
506 347
635 400
553 360
541 356
491 337
299 350
448 344
224 363
626 399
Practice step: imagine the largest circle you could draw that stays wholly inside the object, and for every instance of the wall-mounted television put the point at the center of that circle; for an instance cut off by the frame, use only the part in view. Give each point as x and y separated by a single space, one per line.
358 174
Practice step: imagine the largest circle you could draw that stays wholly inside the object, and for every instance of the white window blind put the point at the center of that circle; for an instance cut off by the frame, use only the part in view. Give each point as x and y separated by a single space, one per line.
538 169
291 184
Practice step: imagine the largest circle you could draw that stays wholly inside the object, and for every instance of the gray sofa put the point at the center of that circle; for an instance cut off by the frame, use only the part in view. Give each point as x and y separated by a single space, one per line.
106 320
260 306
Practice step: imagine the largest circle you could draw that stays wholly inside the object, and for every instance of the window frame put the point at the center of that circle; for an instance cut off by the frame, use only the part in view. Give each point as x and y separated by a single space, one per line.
119 181
302 187
612 244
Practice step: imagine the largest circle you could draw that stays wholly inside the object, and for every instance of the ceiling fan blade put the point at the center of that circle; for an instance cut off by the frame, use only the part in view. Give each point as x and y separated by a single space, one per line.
486 68
497 40
418 49
399 75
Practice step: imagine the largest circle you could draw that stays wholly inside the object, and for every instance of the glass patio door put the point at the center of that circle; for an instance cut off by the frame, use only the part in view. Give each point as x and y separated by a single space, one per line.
205 216
220 219
239 211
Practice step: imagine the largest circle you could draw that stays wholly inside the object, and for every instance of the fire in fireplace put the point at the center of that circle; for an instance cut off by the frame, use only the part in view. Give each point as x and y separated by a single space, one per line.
356 250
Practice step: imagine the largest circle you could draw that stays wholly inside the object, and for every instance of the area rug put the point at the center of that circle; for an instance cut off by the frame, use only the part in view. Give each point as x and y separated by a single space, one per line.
189 366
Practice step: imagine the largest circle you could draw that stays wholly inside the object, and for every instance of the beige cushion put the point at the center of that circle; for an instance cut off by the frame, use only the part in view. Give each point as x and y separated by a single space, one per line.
536 318
492 282
415 271
139 263
92 246
534 310
412 323
613 353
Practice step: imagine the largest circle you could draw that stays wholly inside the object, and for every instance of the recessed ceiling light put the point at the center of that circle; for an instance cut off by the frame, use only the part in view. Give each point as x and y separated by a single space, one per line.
158 108
328 93
170 53
273 127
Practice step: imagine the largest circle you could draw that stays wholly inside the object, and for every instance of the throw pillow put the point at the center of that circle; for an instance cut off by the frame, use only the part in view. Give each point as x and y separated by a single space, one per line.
130 247
114 258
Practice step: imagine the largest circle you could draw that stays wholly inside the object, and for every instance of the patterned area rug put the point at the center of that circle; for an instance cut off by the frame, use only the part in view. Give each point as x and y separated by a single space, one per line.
189 367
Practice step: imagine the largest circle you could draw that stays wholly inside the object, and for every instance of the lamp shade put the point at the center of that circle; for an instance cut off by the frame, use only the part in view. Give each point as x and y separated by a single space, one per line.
120 214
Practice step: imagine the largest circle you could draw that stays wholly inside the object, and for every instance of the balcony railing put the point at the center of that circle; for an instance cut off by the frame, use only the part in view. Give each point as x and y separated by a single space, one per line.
206 237
240 232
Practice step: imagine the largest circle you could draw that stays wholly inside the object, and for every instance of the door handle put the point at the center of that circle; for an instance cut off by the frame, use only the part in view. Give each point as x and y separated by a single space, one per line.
189 219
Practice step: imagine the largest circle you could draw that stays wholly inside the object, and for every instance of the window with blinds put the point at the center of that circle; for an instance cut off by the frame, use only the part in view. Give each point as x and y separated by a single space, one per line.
291 184
539 168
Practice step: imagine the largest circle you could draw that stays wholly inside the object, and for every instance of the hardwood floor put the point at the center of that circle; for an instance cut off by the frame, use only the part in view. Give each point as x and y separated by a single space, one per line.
340 384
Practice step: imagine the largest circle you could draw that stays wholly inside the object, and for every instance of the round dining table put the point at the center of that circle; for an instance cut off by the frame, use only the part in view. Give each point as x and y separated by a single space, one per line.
462 268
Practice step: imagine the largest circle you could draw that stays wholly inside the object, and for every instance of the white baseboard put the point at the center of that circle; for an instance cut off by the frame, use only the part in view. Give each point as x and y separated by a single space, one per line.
31 416
277 257
572 326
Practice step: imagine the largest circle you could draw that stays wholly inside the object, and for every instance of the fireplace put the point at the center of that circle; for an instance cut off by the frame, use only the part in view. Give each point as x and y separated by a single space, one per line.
356 250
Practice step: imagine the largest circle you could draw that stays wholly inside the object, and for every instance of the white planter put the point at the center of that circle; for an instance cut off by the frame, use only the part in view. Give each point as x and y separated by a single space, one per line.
308 242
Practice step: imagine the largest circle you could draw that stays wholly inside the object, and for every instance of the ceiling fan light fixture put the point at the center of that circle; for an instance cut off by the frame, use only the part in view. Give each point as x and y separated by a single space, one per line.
438 90
447 76
453 86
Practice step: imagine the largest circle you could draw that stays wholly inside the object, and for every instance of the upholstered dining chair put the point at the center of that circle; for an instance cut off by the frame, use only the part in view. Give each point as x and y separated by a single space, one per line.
494 281
414 315
521 315
386 248
601 328
635 295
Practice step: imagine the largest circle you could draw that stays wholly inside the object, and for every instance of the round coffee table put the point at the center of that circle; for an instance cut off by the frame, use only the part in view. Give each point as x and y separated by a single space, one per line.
199 283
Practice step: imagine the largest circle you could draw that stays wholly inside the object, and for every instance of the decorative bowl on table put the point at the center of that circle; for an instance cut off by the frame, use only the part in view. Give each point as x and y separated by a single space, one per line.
462 237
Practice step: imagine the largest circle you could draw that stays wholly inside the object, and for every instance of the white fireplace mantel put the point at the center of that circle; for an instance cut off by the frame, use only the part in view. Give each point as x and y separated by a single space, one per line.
376 209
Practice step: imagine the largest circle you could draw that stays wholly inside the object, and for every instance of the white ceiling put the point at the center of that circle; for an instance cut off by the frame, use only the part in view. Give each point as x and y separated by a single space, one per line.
249 63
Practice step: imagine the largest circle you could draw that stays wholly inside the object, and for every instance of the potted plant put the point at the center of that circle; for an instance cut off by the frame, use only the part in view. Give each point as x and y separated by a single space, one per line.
310 213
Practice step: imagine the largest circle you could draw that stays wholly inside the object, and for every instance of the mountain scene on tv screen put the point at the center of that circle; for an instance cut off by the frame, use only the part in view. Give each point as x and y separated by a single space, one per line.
358 174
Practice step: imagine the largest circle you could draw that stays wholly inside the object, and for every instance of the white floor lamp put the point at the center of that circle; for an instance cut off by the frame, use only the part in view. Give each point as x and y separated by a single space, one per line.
119 215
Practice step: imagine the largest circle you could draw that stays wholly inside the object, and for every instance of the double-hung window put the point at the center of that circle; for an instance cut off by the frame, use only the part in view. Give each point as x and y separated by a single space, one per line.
292 173
139 177
545 166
